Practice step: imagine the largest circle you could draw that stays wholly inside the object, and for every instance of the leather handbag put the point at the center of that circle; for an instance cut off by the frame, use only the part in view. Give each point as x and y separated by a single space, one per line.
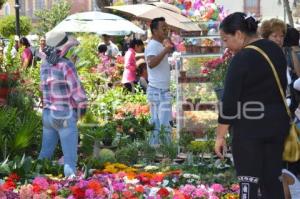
291 151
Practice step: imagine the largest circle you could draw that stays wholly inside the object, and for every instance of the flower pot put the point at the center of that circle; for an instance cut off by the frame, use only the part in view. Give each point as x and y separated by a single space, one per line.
107 141
182 74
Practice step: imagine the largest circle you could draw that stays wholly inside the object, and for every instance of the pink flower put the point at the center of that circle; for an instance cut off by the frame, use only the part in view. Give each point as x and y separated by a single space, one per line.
118 186
218 188
235 187
26 191
200 192
188 189
41 182
89 193
214 197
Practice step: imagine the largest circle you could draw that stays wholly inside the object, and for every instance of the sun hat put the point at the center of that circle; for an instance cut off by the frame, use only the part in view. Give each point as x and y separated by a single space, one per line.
61 41
58 44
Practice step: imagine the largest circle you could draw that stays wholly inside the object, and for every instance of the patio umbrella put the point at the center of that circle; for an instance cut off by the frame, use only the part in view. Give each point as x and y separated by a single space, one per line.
159 9
97 22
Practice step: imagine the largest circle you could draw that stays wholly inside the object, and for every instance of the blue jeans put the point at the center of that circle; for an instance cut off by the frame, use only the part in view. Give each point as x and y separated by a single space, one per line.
160 109
60 125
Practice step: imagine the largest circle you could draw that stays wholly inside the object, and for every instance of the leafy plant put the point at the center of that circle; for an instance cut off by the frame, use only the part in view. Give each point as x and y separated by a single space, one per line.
8 25
128 154
48 19
17 129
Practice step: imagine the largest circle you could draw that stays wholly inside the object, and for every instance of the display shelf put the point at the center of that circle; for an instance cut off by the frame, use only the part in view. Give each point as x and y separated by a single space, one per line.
192 79
199 107
185 75
203 37
191 55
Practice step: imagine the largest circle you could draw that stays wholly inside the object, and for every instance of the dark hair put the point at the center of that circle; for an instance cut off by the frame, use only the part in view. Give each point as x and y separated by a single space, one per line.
24 41
102 48
239 21
136 42
140 69
154 23
291 37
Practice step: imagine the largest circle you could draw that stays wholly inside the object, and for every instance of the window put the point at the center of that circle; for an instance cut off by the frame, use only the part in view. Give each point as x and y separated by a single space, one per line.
252 6
6 9
22 7
39 4
29 9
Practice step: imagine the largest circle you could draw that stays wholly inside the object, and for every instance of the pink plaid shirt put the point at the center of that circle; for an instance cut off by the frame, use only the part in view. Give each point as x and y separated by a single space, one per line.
61 86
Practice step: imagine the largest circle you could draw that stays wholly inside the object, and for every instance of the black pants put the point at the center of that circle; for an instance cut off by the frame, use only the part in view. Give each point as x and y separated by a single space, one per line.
258 163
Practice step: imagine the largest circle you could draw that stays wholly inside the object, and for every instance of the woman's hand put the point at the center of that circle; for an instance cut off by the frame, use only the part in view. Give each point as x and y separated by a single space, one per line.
220 142
220 146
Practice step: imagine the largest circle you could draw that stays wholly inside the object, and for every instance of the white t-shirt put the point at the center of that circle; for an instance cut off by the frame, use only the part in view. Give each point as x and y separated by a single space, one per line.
112 49
159 76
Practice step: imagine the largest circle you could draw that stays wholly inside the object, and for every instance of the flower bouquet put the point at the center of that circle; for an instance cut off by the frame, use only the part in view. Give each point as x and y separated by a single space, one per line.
216 70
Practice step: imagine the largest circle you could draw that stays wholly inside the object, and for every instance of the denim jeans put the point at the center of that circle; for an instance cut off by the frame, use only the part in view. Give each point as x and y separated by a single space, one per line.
160 109
63 126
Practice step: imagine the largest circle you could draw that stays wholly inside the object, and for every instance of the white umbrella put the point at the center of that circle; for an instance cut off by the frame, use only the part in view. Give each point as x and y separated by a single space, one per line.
97 22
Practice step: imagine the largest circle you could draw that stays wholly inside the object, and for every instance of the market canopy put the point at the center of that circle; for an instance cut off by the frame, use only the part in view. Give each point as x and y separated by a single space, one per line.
150 11
97 22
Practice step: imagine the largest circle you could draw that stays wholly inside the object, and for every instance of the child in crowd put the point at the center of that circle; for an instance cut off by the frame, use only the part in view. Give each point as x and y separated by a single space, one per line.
142 75
290 179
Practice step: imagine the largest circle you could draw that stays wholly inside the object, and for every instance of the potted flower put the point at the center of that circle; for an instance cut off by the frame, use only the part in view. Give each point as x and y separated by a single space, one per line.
9 74
216 71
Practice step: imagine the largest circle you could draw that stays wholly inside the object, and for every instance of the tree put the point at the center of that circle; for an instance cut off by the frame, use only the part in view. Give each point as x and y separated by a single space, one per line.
8 25
1 3
48 19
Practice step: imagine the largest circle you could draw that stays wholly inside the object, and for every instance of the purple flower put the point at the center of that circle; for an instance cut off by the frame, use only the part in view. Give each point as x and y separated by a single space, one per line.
118 186
89 193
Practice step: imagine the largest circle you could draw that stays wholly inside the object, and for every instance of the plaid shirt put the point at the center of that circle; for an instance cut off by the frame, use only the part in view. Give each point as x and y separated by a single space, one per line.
61 86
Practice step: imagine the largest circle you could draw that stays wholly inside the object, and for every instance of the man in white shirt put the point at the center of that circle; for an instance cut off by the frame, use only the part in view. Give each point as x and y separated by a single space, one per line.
158 93
112 49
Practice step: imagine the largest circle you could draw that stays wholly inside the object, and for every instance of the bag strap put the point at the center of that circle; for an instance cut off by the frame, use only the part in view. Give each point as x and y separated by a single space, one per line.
275 75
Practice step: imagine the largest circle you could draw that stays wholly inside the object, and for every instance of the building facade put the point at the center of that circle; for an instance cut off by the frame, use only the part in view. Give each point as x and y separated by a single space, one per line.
28 7
264 9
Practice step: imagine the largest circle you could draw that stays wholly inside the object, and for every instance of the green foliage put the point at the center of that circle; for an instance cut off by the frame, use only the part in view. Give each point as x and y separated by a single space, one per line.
2 2
106 155
17 129
201 146
27 168
147 152
128 154
87 51
185 138
48 19
135 128
11 64
8 26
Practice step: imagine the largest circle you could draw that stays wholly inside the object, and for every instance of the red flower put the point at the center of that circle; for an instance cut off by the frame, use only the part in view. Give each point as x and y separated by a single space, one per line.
9 185
94 185
36 188
139 189
128 194
78 192
163 192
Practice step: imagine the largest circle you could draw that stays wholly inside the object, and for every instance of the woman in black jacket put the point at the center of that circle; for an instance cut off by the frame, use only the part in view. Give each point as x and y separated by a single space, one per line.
253 107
